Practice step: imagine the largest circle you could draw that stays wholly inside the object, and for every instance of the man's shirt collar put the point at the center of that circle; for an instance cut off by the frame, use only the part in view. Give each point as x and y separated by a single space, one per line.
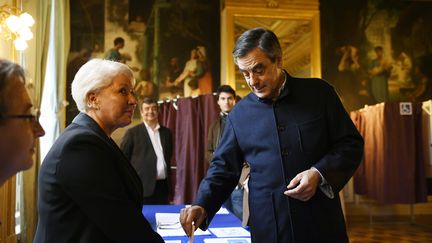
148 127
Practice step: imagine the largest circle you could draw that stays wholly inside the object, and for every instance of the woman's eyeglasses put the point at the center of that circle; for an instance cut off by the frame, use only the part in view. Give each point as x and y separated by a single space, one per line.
33 116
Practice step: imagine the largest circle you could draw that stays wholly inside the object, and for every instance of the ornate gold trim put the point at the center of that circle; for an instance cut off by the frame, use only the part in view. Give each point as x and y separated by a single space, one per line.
307 13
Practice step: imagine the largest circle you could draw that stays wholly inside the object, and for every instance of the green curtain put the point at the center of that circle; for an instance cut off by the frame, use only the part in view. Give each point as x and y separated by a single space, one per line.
42 11
62 45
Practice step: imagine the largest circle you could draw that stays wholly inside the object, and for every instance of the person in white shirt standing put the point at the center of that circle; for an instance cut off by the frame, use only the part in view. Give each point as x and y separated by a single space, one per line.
148 146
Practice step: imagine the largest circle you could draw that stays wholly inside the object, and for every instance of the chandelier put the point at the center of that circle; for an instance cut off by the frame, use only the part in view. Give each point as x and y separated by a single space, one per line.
15 26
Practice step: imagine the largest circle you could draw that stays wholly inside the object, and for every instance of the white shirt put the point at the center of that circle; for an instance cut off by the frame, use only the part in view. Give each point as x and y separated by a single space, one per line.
157 146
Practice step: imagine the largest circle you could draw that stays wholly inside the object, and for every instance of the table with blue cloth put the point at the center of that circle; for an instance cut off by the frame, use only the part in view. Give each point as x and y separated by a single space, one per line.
219 220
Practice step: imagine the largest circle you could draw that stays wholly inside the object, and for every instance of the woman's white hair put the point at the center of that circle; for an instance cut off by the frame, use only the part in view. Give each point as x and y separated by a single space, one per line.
95 75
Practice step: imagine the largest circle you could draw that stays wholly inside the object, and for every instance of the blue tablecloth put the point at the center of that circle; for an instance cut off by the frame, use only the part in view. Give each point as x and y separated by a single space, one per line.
219 220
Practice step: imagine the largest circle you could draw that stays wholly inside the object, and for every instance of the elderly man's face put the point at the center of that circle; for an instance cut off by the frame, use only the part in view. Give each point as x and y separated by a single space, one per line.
18 135
150 112
262 75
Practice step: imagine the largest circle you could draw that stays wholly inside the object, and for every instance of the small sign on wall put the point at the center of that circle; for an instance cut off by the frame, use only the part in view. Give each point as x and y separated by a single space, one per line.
405 108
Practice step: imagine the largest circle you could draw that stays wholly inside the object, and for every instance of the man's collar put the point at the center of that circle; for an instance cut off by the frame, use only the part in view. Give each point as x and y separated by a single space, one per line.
148 127
283 84
283 90
223 113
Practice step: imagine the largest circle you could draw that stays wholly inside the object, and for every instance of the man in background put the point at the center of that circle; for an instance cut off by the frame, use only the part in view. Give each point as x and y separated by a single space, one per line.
148 146
19 124
236 202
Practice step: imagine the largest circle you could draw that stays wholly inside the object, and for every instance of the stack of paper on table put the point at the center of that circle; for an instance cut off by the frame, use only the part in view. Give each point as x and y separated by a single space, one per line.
168 224
222 210
230 232
228 240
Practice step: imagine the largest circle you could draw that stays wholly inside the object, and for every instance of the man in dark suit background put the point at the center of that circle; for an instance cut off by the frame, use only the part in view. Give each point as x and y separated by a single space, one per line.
226 101
237 203
148 146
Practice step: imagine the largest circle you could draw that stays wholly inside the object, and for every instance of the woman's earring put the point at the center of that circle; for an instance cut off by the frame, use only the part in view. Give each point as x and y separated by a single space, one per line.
92 106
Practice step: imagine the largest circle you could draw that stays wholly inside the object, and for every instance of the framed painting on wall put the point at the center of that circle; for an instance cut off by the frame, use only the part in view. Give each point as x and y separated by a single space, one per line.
183 47
378 51
173 47
87 41
297 31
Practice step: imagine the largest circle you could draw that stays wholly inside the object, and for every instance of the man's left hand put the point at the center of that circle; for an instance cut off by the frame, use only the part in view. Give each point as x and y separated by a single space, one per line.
303 186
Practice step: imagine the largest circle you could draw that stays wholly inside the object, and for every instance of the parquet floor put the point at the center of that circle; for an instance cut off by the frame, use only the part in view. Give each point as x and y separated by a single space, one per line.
360 230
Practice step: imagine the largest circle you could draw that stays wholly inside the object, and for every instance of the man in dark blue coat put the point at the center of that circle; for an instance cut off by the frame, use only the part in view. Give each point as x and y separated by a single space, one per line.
301 145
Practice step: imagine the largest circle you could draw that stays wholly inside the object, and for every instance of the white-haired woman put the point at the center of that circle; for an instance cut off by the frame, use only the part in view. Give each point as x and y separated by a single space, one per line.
88 192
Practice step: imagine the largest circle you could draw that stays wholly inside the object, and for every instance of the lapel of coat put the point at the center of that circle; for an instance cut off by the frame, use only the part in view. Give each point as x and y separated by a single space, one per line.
162 138
144 131
217 131
146 141
130 177
163 132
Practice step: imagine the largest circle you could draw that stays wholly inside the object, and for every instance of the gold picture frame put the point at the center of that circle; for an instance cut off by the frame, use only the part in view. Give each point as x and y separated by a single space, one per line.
298 32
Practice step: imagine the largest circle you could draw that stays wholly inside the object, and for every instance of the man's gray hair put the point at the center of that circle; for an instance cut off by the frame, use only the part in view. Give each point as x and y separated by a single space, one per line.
95 75
261 38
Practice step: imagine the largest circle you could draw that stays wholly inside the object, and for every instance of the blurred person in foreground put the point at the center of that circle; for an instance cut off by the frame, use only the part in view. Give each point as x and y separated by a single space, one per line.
301 146
19 122
88 191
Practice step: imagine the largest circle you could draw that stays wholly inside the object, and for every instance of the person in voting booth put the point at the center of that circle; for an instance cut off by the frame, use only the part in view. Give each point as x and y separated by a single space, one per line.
88 191
19 122
301 146
148 147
